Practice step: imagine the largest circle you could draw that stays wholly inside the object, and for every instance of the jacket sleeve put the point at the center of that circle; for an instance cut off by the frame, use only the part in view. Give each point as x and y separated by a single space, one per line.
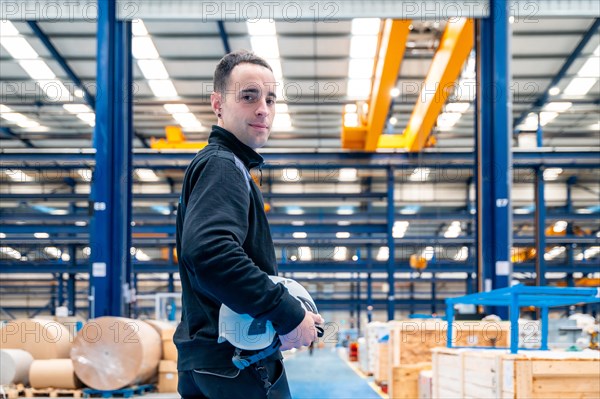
214 230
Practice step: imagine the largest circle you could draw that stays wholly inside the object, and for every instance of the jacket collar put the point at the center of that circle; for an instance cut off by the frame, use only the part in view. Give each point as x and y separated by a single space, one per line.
247 155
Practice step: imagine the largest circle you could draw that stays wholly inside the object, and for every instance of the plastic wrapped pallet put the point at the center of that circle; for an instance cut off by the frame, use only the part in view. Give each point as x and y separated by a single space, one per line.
374 333
42 338
362 354
113 352
425 381
380 371
14 366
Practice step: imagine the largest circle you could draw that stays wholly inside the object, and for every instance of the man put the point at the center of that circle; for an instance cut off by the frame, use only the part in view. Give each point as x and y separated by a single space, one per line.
224 245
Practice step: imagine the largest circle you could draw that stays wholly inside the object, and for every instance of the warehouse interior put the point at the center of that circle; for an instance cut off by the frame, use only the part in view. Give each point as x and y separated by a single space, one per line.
462 139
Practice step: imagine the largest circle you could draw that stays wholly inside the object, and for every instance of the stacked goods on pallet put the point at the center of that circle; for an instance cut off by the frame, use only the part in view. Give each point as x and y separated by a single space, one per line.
110 353
411 342
53 373
362 355
167 369
43 339
405 380
375 332
380 371
425 387
476 373
14 366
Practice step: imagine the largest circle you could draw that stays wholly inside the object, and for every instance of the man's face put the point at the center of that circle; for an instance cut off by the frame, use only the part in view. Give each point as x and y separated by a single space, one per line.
247 107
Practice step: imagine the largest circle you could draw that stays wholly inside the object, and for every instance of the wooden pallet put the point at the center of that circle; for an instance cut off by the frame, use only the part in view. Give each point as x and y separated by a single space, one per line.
53 393
13 391
127 392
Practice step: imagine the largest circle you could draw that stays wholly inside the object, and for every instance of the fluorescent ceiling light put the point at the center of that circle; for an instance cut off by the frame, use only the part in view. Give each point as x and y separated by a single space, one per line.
78 93
59 212
342 234
360 68
143 48
554 91
359 88
141 256
162 88
410 210
262 27
146 174
265 46
88 117
419 174
340 253
558 106
462 254
448 119
282 122
345 210
560 226
2 235
591 68
185 118
77 108
290 175
295 211
366 26
13 253
55 90
351 120
395 92
347 174
383 254
580 86
65 257
18 47
363 46
428 253
299 234
153 69
17 175
595 126
393 121
457 107
86 175
138 28
41 235
28 124
552 173
554 252
305 253
350 108
37 69
298 223
176 108
14 117
8 29
547 117
343 223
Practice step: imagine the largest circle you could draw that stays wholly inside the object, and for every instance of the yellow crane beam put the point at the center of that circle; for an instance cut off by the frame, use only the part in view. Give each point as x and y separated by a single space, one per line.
175 141
455 46
392 45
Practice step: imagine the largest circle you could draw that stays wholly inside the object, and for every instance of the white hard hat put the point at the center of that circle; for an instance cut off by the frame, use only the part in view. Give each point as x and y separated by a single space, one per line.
247 333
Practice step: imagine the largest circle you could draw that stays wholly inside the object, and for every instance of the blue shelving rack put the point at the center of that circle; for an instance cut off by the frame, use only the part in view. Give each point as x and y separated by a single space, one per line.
519 296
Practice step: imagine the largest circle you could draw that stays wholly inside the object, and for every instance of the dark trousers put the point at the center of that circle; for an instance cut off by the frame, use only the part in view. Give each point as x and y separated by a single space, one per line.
232 383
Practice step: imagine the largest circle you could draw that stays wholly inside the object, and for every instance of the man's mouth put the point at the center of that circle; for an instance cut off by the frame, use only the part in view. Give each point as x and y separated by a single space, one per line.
259 125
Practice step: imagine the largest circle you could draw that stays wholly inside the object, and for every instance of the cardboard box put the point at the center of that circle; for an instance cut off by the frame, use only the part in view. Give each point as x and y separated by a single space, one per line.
167 376
405 380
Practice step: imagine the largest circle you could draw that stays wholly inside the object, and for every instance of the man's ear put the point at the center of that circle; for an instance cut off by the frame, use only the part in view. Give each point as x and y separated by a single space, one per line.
216 102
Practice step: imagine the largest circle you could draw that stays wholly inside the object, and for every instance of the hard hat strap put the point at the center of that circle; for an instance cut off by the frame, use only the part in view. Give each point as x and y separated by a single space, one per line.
241 362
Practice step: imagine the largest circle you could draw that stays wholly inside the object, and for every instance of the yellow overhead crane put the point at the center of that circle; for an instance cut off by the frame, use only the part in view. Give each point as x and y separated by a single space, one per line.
455 46
175 141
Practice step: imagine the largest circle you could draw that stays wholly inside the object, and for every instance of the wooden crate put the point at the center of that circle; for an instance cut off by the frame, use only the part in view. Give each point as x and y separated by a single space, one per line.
472 373
380 372
405 381
546 375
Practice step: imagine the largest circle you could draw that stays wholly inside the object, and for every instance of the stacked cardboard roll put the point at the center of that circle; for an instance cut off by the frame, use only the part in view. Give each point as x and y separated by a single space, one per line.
113 352
43 339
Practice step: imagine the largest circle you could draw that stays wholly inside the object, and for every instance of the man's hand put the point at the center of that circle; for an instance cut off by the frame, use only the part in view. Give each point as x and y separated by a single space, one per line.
302 335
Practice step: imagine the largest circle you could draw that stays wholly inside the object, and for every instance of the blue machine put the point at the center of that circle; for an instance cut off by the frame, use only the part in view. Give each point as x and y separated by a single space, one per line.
520 296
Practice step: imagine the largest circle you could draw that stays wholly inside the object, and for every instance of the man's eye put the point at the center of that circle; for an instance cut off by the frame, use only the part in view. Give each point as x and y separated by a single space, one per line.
271 102
248 98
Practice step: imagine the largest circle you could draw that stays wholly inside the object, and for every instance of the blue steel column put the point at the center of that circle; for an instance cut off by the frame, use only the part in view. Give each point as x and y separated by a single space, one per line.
369 284
540 228
390 240
111 186
493 151
570 247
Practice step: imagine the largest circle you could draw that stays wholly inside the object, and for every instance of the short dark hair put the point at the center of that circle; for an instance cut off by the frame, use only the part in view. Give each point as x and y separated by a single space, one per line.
229 61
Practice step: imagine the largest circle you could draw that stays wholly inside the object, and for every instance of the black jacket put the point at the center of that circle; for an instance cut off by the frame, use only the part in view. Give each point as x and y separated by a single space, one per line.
225 252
